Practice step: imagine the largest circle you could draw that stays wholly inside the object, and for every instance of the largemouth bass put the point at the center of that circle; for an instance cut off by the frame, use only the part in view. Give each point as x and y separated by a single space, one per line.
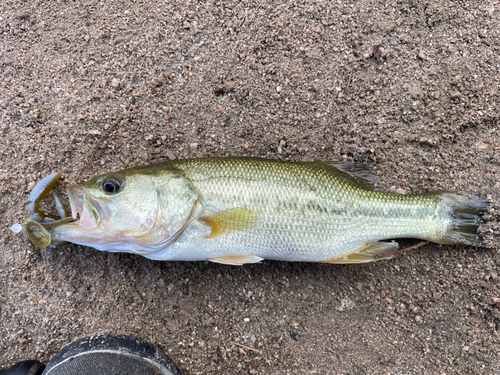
243 210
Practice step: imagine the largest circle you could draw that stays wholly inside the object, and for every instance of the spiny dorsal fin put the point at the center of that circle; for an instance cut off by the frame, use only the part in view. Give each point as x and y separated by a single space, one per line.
357 173
365 253
229 221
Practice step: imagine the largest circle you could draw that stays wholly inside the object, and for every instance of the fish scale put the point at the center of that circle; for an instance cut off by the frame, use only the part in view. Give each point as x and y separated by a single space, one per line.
242 210
292 226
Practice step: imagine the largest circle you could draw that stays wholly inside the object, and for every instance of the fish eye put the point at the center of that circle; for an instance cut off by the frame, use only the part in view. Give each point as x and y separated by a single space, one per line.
111 185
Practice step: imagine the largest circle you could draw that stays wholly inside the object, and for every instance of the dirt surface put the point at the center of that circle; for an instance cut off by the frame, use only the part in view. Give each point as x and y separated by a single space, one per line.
411 88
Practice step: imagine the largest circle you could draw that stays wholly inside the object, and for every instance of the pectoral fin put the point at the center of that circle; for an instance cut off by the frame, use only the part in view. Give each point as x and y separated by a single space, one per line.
236 260
230 221
365 253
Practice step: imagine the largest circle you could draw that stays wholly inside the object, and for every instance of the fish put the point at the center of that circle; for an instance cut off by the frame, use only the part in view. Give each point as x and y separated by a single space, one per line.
244 210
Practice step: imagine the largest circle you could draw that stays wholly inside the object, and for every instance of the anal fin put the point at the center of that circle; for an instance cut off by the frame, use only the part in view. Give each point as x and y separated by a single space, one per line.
365 253
236 260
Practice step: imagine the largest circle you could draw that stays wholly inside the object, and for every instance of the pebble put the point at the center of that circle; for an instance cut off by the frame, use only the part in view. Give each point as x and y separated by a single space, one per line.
418 318
246 320
481 146
10 70
22 14
115 83
346 304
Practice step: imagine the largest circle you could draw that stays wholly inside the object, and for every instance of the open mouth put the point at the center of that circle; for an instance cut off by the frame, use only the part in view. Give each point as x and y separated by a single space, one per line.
87 210
91 219
76 198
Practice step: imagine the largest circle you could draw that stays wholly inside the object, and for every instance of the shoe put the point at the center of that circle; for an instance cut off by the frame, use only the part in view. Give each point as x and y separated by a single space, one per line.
25 368
107 354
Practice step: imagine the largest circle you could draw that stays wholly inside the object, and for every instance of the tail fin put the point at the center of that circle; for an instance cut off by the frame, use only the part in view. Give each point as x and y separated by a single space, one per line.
464 216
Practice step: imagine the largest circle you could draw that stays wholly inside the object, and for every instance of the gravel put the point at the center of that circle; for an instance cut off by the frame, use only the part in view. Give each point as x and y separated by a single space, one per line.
408 88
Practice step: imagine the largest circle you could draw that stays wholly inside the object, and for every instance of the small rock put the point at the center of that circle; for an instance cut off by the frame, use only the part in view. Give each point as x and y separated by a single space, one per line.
10 70
418 318
246 320
481 146
422 56
22 14
115 83
193 145
495 301
437 295
346 304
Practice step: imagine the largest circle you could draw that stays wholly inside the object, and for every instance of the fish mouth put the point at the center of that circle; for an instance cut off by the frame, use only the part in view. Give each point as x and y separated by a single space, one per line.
90 212
76 197
91 218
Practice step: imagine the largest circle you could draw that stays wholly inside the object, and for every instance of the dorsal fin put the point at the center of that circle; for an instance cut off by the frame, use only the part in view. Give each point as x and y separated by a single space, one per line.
357 173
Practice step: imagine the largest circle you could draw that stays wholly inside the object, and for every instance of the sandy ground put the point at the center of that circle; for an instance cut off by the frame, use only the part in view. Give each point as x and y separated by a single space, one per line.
411 88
